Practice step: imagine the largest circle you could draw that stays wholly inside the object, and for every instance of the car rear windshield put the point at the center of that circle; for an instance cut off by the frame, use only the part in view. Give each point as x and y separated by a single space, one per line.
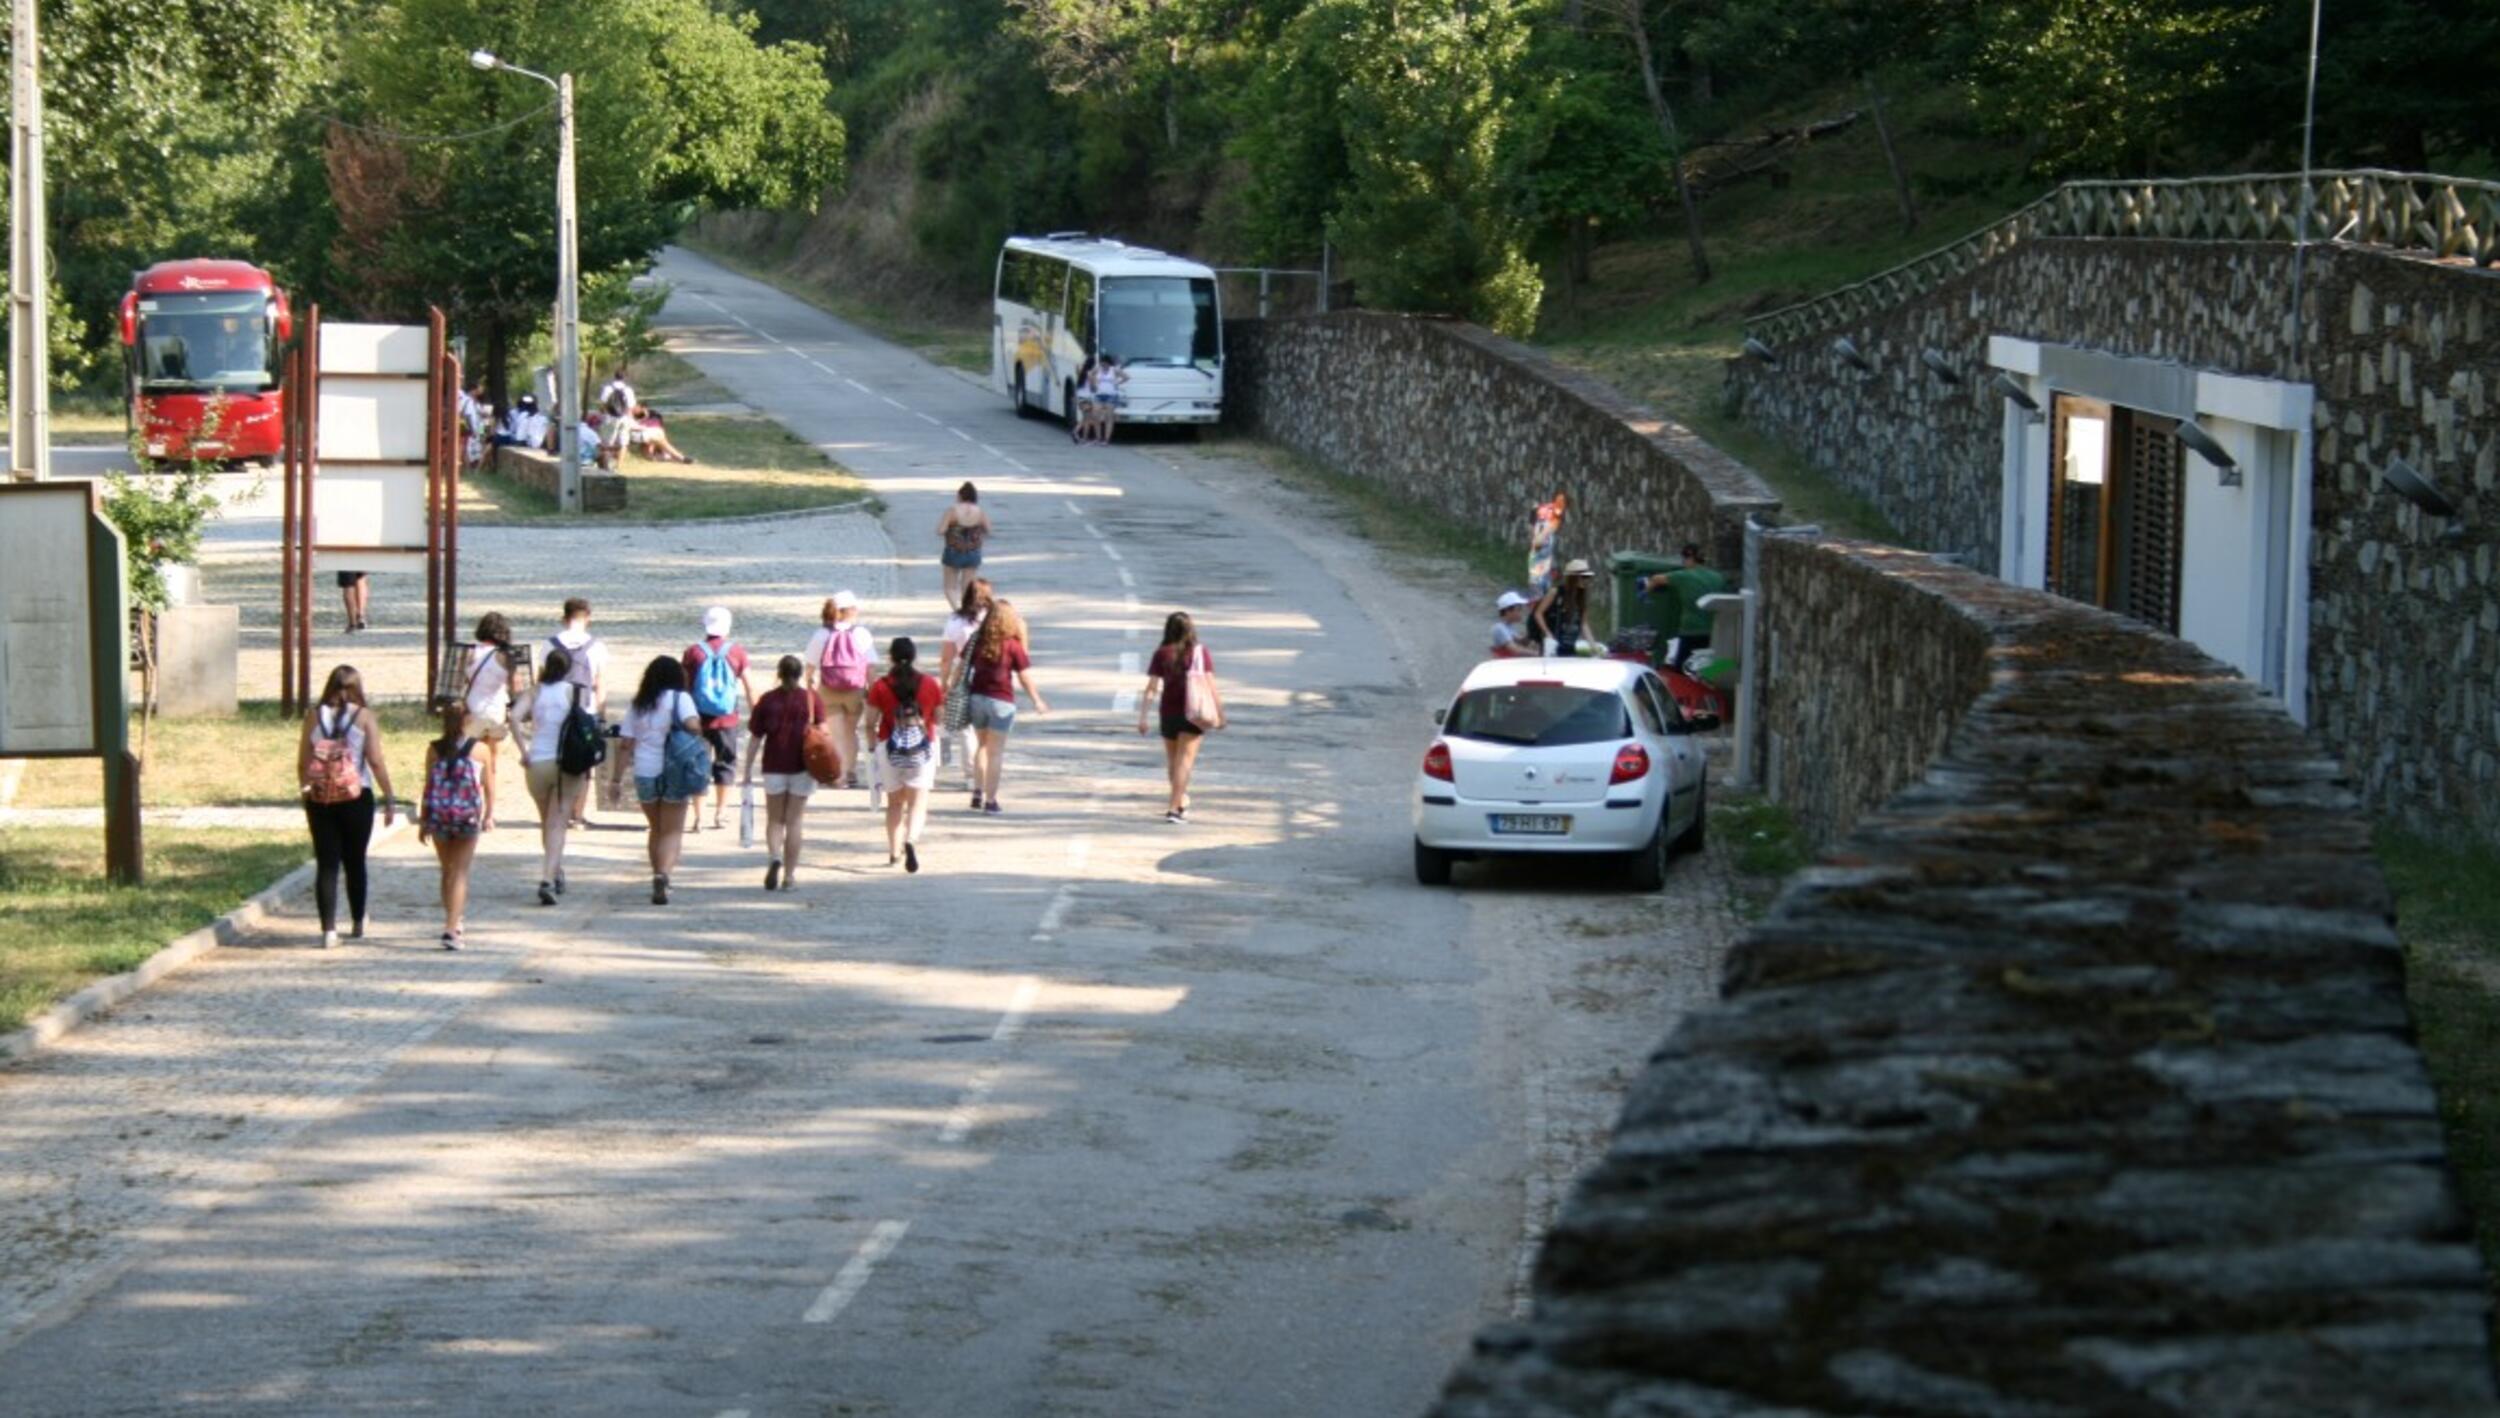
1538 716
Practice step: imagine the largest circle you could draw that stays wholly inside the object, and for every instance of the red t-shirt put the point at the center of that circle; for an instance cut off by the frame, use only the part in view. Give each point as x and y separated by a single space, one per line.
1175 677
996 679
782 718
932 697
696 655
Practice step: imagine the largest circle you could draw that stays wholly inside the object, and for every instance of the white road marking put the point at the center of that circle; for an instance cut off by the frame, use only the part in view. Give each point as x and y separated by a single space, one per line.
853 1276
857 385
1070 504
1052 915
992 451
959 1119
891 400
1132 632
731 1413
959 433
1018 465
1127 578
1130 600
925 418
1124 701
1028 989
1132 663
1095 532
1111 551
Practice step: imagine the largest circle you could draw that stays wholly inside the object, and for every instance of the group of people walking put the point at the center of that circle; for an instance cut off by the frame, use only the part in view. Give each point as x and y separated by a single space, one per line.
696 725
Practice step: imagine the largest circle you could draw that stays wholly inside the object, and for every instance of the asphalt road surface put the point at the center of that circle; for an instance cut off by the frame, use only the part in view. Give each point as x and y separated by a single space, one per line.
1096 1115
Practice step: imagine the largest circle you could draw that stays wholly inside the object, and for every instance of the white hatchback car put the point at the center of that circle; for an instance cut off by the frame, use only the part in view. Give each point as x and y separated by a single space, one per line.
1562 755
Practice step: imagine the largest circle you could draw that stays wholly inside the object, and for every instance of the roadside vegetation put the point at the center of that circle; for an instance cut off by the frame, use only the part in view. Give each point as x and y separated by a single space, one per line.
950 333
62 925
1381 517
246 760
1764 846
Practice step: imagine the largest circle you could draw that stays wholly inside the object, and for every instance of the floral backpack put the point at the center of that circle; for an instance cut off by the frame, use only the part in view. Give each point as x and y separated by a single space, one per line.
454 804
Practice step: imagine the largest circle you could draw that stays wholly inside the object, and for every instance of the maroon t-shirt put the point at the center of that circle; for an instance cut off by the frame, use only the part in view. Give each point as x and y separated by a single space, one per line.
696 655
1175 676
932 697
782 717
996 679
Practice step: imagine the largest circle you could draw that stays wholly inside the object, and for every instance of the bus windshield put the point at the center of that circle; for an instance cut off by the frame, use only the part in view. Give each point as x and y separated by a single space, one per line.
208 341
1160 320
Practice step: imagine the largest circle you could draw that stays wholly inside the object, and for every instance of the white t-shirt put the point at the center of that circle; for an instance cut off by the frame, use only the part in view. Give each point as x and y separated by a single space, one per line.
489 693
1508 638
547 710
650 731
821 642
607 401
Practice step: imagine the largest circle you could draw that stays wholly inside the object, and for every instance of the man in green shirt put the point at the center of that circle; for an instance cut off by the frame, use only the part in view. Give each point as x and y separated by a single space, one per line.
1691 582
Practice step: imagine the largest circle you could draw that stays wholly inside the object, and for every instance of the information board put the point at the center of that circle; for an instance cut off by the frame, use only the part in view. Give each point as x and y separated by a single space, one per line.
47 634
375 411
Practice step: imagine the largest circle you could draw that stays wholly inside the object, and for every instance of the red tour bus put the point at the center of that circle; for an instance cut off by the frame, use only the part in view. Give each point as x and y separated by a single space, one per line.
201 341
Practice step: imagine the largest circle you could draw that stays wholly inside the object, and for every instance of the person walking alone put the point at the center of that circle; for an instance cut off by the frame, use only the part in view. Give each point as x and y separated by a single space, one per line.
903 712
962 532
777 734
459 809
672 763
1180 683
338 764
999 663
557 792
840 657
716 673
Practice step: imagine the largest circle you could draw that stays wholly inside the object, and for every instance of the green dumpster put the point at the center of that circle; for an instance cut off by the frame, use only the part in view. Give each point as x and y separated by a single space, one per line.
1662 611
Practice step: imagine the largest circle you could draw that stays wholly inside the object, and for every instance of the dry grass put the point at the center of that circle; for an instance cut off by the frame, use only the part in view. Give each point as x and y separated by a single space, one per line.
244 761
745 465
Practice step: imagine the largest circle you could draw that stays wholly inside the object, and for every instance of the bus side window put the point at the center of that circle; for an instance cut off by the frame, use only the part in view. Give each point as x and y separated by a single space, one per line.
1049 278
1081 309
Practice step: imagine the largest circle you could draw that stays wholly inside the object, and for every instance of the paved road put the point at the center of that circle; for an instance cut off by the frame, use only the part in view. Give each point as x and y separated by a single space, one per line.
1095 1116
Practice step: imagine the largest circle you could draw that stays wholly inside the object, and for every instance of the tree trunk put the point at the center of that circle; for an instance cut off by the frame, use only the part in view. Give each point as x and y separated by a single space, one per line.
1892 156
1581 243
1636 22
1172 98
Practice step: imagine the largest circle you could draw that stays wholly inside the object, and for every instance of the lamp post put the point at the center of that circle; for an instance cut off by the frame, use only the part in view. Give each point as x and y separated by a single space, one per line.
568 285
30 373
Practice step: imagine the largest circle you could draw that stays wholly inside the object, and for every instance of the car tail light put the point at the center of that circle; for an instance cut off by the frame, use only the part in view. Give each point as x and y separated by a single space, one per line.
1631 764
1437 763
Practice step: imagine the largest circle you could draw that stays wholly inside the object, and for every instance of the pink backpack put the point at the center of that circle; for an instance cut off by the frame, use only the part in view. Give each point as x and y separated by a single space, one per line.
846 658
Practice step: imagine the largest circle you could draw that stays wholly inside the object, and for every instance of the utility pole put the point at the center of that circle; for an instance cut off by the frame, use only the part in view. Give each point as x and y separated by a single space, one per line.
30 311
568 284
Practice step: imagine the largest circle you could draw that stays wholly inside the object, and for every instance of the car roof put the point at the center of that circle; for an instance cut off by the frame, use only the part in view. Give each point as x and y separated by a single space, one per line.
1575 671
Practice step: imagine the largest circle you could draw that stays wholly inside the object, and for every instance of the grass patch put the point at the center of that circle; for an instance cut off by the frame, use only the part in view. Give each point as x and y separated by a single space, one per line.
2448 915
244 761
1380 516
956 339
1767 847
62 926
90 416
663 381
745 465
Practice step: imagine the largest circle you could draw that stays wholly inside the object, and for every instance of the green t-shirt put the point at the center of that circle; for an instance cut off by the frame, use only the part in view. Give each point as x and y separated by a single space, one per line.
1691 583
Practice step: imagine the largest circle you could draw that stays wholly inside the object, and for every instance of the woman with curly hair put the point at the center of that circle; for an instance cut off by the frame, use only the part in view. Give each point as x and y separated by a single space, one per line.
999 664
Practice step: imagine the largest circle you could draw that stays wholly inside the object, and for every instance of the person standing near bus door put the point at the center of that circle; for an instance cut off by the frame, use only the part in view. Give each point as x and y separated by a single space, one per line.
1109 379
962 533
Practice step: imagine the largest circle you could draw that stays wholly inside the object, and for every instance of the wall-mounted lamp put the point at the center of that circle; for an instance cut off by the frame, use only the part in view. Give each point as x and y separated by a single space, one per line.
2202 444
1940 367
1848 352
1760 353
2006 386
2413 487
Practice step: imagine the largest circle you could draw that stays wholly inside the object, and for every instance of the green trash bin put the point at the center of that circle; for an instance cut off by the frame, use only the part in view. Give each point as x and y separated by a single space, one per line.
1661 612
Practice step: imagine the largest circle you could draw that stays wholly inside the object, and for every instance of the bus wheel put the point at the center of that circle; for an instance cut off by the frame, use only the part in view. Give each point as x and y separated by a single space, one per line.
1015 391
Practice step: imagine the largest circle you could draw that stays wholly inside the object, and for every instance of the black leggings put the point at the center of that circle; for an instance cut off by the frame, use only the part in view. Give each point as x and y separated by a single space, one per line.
340 833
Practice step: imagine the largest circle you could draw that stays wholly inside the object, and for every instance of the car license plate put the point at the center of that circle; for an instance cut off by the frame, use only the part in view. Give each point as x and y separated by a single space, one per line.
1531 824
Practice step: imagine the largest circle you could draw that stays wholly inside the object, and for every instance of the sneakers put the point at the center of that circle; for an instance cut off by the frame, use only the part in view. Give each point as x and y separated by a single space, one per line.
451 940
546 893
329 940
790 878
911 858
976 800
659 888
772 877
990 807
357 930
1177 815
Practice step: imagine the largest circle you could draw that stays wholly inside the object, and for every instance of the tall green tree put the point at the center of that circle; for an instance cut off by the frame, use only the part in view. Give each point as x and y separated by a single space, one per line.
445 188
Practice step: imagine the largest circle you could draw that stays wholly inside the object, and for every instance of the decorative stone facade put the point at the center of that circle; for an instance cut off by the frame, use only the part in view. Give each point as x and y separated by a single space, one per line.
2076 1080
1453 417
2404 645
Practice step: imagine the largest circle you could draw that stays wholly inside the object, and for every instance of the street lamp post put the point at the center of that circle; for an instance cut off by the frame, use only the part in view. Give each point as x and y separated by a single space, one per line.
568 285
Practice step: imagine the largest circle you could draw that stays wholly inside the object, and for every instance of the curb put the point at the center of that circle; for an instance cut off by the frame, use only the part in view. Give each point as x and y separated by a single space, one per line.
96 998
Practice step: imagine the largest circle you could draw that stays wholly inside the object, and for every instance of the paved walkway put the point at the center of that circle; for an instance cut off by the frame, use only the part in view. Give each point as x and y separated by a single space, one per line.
1094 1116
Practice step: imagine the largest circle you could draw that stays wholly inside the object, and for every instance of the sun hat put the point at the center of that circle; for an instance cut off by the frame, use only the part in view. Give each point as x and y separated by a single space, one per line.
716 621
845 600
1508 599
1576 567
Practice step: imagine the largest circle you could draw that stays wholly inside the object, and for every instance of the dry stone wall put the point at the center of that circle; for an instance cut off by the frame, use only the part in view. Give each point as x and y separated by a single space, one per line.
2404 648
1455 418
2076 1080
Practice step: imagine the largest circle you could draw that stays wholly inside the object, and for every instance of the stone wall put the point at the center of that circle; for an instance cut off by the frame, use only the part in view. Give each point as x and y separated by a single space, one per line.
1453 417
2404 648
2077 1079
602 491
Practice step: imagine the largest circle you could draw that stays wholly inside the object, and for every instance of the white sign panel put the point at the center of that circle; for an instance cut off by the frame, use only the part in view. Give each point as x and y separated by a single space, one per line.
47 645
369 505
372 420
372 349
370 476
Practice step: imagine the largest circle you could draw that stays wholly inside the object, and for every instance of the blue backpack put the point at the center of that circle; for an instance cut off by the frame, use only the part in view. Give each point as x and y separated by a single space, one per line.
715 683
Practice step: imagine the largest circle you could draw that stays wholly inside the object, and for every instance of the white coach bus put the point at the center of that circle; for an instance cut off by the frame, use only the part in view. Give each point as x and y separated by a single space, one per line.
1066 297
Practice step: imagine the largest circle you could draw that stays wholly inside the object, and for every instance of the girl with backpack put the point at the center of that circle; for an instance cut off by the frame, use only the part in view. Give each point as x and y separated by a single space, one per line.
672 762
566 744
962 532
1180 682
777 733
337 765
903 713
999 662
716 675
953 666
841 656
459 809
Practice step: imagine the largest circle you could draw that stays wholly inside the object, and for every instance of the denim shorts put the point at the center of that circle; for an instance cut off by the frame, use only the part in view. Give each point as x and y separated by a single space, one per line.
996 716
648 790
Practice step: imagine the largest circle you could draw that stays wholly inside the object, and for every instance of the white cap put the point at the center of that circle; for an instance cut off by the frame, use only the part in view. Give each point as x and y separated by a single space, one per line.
1508 599
844 600
716 621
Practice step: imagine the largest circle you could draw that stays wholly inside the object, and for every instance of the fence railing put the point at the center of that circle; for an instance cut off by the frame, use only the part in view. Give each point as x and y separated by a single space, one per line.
2448 218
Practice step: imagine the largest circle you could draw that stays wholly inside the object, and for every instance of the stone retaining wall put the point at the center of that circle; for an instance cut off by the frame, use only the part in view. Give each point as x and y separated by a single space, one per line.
1455 418
602 491
2404 645
2077 1079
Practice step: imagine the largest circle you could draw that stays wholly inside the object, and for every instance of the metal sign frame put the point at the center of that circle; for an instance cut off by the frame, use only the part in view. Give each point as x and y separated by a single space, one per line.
108 679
